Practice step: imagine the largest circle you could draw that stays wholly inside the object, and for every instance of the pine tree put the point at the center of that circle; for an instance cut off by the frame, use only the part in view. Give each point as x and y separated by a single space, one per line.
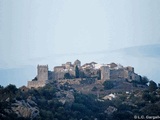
77 72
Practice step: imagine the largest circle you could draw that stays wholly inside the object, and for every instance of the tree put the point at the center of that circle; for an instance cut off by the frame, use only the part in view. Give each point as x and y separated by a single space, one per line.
158 85
144 80
67 76
151 109
77 72
99 74
146 96
1 86
11 88
152 86
35 79
108 85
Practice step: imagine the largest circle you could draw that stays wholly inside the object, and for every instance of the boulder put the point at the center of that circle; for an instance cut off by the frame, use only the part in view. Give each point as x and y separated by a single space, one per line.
24 109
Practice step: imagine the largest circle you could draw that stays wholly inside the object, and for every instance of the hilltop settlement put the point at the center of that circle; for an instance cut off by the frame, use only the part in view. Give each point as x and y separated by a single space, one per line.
76 74
82 92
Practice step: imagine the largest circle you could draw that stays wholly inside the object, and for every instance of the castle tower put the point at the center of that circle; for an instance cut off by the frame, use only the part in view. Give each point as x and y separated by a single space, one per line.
77 63
42 72
42 77
105 73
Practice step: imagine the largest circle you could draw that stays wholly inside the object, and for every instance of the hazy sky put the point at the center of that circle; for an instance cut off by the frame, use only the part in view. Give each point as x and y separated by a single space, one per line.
56 31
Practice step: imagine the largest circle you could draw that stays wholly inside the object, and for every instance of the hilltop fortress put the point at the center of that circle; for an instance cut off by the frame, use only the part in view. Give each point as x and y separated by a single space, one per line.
74 73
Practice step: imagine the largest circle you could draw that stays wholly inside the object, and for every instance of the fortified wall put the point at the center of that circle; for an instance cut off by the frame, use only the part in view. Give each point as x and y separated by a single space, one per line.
100 72
41 79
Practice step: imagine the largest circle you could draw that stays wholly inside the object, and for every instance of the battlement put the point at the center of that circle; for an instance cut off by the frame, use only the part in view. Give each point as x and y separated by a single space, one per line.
42 66
42 77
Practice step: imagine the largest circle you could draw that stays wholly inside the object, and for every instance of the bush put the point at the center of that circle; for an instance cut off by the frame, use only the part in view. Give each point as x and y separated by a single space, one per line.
108 85
144 80
94 88
146 96
152 86
67 76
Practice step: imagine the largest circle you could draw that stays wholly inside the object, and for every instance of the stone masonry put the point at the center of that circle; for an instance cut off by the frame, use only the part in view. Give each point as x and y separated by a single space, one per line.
42 77
105 73
101 72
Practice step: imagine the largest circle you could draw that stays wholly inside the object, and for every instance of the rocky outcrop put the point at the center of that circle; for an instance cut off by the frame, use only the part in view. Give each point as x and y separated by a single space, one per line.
26 109
65 96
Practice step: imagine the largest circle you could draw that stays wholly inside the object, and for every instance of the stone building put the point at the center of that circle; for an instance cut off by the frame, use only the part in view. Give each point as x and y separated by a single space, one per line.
133 76
68 65
89 65
101 72
42 77
124 73
24 89
59 68
59 72
105 73
112 65
77 63
118 73
129 68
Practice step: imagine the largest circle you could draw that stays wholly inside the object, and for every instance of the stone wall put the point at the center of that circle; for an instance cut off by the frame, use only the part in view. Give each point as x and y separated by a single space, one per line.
68 65
129 68
42 77
59 75
135 77
59 68
105 73
120 73
70 81
36 84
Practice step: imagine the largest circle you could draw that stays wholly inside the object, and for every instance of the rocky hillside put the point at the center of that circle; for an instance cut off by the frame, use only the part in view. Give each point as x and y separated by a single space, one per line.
65 102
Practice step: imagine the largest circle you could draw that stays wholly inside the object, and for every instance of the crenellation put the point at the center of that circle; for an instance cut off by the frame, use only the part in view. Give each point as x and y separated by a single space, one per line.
42 77
42 71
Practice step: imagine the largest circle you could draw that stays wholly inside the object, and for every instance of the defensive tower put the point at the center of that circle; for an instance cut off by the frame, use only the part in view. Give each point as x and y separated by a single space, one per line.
77 63
42 72
105 73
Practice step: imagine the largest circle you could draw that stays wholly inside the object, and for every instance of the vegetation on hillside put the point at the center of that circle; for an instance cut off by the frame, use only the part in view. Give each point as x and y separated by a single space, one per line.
59 102
108 85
